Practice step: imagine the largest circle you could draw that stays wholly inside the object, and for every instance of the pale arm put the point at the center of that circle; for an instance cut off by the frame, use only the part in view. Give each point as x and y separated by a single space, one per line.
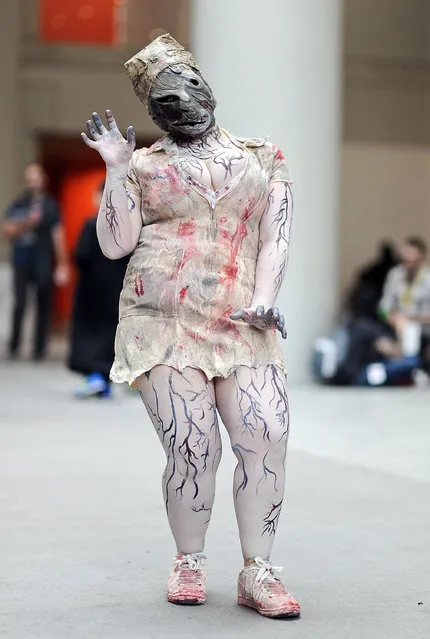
119 221
275 229
274 242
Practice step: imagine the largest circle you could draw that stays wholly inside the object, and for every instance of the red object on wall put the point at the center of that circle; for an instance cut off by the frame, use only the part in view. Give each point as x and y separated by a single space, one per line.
77 21
77 205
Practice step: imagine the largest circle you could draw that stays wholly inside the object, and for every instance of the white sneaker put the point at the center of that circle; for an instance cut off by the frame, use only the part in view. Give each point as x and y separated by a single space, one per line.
258 588
187 581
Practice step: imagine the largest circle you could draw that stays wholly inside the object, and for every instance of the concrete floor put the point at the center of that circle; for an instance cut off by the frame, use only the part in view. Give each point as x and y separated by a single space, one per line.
84 544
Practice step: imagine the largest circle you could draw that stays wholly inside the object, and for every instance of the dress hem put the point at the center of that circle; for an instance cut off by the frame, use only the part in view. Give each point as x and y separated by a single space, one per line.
118 378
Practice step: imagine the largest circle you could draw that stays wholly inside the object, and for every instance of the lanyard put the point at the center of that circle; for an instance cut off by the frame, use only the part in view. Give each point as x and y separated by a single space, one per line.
406 297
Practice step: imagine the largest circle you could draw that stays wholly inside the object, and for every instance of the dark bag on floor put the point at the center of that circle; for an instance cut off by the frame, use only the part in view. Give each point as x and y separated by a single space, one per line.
329 354
339 358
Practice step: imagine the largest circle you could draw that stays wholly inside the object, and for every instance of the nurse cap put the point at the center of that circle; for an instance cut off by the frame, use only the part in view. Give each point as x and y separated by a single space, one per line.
144 67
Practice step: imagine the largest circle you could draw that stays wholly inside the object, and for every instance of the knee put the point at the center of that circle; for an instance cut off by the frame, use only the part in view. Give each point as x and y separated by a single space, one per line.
276 449
275 444
195 461
275 435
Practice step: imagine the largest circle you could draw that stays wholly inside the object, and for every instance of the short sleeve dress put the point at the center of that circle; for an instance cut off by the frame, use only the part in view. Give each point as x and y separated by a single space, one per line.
194 265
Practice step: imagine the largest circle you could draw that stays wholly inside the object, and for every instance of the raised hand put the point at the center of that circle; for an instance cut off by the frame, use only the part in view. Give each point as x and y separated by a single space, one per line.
264 320
114 149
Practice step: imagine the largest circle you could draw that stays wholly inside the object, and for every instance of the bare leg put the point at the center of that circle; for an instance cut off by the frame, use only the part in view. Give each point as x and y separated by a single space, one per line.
182 409
253 405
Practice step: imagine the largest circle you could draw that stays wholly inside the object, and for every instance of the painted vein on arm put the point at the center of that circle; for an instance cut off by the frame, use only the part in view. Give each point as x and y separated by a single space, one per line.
131 202
281 225
282 219
112 214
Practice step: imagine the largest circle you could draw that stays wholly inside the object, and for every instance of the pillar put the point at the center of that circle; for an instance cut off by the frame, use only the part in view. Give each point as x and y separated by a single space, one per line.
9 55
275 67
9 70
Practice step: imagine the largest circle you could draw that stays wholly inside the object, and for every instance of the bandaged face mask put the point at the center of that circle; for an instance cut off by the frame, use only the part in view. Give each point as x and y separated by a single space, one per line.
181 102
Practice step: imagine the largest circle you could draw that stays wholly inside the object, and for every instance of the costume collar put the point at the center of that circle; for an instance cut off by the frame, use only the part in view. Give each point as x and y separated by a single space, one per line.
168 145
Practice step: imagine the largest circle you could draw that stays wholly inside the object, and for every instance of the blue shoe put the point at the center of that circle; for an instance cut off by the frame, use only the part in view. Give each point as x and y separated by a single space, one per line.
93 386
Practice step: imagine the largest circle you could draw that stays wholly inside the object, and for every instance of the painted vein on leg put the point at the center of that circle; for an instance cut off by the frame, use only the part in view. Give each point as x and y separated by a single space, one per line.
250 407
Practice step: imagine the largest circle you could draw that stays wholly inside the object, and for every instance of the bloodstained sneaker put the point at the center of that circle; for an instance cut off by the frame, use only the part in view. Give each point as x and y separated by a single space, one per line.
187 581
258 588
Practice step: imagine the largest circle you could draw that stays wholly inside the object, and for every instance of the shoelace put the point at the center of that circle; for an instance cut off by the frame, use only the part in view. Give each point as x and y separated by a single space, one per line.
189 561
188 566
267 580
267 571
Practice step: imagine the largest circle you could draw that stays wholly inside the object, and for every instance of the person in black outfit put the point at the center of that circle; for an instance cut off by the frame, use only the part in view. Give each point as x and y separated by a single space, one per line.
363 321
32 224
95 312
367 290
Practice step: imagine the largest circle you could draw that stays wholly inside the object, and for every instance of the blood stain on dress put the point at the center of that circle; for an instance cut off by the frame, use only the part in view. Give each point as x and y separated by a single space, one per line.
246 213
190 333
234 243
279 155
190 252
220 349
182 294
228 327
230 271
187 229
175 180
138 286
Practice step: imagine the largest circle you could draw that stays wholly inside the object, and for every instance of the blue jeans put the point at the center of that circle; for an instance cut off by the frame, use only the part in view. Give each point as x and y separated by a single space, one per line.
395 369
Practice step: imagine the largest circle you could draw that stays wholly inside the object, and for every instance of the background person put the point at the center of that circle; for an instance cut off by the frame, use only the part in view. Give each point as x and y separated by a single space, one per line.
33 226
406 296
95 311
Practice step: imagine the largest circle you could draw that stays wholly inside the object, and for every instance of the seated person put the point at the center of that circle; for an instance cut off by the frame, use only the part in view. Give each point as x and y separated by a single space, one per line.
405 306
406 296
365 294
340 358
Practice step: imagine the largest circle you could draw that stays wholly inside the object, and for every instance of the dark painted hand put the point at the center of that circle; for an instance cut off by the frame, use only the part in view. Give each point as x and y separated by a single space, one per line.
264 320
109 142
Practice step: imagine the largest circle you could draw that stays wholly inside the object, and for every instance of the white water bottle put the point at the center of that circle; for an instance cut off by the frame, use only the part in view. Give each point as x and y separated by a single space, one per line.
411 339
